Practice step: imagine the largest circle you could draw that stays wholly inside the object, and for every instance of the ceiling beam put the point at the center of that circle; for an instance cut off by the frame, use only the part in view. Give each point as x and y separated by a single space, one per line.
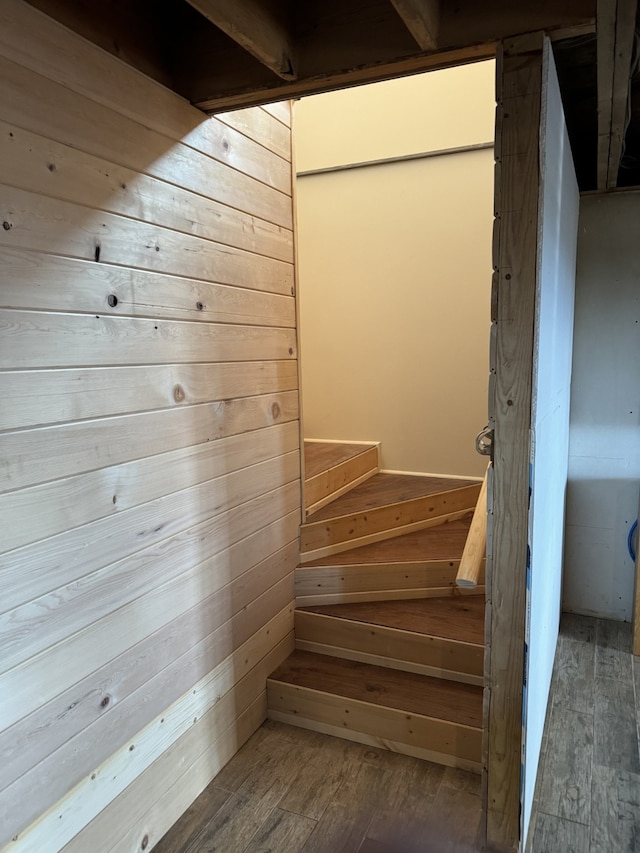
616 20
256 28
422 19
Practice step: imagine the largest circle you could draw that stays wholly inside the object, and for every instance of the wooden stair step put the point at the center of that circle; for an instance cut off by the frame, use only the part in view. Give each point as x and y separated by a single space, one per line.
453 618
442 637
383 507
431 718
414 565
333 468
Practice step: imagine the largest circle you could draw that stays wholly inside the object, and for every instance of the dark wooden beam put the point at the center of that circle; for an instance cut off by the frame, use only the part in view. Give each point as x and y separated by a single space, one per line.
255 27
422 19
362 41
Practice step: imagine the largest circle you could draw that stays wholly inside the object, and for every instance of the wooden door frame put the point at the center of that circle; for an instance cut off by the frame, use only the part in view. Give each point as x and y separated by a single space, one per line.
519 75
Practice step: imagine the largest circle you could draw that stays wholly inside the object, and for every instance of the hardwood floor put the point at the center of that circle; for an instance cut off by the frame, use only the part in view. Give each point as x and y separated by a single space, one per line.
295 791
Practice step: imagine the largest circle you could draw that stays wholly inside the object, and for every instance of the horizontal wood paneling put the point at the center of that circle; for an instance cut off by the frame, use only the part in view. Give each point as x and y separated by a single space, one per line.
38 679
30 162
82 446
262 127
42 397
150 460
84 124
79 756
60 227
51 283
35 339
109 491
34 626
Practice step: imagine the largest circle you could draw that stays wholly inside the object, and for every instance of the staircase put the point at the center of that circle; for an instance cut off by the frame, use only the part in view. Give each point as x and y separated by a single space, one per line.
389 651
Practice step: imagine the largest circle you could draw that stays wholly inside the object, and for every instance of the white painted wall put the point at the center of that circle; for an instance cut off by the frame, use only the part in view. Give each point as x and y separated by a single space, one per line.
604 463
395 267
559 204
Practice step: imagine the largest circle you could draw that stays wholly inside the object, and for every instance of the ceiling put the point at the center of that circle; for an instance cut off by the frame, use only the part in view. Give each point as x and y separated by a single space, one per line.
223 54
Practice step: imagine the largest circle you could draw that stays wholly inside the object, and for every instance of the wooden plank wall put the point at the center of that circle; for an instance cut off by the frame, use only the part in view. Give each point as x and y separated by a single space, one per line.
149 467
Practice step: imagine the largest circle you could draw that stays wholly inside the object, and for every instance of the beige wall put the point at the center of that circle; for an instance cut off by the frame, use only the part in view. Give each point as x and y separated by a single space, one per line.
149 468
395 267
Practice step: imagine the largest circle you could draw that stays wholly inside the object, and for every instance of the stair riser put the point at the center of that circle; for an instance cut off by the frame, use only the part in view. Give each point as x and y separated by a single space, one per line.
375 660
360 580
331 484
392 646
393 518
453 744
387 595
334 536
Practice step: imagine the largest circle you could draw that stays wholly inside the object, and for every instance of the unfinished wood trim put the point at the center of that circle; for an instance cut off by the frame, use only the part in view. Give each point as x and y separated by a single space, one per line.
385 595
352 77
400 158
616 32
256 28
422 18
329 485
390 533
392 663
370 577
325 501
142 816
391 643
519 75
353 715
372 740
475 547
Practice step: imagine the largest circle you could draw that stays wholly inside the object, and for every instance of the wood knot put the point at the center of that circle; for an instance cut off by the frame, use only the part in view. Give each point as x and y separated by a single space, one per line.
275 410
178 393
145 842
7 225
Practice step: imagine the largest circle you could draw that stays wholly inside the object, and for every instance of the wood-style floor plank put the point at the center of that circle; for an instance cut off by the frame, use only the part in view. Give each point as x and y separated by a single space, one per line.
320 456
406 691
453 618
384 489
442 542
426 808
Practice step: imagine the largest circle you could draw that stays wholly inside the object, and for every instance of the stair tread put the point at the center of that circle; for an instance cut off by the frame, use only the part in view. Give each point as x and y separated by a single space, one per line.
384 489
320 456
442 542
453 618
389 688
